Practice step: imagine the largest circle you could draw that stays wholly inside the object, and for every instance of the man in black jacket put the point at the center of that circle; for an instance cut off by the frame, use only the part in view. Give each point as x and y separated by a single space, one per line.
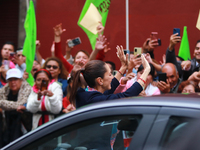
185 68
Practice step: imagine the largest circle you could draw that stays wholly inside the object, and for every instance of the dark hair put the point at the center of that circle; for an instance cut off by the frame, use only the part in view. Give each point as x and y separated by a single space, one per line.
93 69
63 72
152 72
9 43
84 51
187 82
111 63
198 42
45 71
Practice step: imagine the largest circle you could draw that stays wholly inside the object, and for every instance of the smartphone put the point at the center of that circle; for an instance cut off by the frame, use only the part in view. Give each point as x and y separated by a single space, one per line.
176 30
154 35
6 64
12 54
137 50
74 42
126 51
159 42
44 85
162 77
114 72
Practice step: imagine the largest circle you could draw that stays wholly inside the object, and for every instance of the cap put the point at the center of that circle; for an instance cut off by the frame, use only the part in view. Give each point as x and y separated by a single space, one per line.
13 73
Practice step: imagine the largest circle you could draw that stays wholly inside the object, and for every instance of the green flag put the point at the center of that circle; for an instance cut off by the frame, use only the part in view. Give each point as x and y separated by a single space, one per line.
93 12
184 50
29 43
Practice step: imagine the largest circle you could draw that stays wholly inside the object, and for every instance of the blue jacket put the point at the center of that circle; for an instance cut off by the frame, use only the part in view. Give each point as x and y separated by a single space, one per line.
87 97
64 86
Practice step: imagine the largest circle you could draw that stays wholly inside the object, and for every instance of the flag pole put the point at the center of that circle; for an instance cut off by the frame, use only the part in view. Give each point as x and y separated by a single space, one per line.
127 24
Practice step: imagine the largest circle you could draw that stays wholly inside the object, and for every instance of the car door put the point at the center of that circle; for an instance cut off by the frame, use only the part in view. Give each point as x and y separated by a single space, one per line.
169 125
102 129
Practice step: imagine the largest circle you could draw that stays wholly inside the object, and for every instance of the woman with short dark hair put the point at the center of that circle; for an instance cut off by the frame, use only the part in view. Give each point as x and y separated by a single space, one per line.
46 95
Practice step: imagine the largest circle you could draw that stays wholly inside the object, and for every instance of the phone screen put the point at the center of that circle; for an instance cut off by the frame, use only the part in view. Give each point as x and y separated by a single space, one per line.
44 85
162 77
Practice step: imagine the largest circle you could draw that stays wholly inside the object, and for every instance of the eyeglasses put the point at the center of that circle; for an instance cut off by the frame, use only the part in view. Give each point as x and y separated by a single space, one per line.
54 67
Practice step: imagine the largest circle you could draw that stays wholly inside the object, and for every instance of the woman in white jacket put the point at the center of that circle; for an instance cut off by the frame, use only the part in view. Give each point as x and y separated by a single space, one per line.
47 100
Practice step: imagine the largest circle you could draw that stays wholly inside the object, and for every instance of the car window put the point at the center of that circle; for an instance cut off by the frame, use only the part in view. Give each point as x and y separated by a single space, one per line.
174 129
100 133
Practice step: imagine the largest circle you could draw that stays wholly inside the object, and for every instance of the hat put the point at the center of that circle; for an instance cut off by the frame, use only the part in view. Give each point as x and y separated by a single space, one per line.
13 73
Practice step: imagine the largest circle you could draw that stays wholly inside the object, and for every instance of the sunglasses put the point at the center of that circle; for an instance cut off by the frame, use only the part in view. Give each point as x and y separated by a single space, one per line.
54 67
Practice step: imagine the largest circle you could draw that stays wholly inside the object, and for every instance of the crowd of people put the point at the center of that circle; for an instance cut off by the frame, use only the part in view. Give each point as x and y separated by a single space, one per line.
63 83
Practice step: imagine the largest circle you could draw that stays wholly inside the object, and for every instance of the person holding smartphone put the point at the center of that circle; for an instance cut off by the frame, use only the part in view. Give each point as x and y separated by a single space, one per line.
172 79
5 51
46 96
185 68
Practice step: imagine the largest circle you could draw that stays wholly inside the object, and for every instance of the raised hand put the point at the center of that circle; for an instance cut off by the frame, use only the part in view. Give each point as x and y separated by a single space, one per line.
58 30
53 48
101 42
174 39
106 48
164 60
133 62
38 44
145 63
185 65
100 28
152 44
121 56
148 57
68 49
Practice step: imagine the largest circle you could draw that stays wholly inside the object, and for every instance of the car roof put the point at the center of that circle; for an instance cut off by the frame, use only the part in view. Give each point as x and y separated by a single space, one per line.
167 100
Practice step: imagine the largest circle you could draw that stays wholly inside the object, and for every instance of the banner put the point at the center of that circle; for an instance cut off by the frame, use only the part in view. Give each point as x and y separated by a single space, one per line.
29 43
94 11
184 50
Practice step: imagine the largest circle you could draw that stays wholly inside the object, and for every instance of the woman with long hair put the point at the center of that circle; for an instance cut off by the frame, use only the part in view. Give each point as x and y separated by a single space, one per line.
58 72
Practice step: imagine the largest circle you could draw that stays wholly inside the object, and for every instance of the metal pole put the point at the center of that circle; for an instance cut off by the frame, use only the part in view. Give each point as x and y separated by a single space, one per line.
127 24
27 4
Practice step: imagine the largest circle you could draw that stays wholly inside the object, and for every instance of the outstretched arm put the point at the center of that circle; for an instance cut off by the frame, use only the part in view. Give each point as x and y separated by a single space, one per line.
58 49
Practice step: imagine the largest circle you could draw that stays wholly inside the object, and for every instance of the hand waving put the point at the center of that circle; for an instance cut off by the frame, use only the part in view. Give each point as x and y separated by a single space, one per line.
121 56
58 30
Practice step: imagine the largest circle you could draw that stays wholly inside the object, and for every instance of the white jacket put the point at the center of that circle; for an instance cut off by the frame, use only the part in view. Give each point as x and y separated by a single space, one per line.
53 104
